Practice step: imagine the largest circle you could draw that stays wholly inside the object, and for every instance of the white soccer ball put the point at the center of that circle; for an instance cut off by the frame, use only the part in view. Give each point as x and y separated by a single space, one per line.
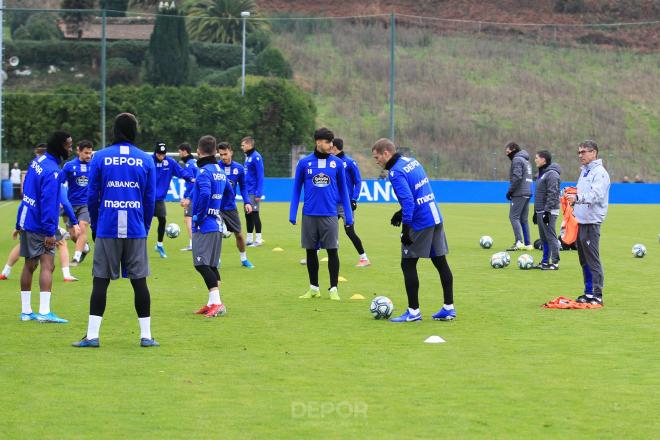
486 242
500 260
381 307
639 250
172 230
525 261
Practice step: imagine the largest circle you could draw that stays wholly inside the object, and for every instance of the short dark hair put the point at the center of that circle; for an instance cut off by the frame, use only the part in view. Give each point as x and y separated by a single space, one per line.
545 154
40 149
57 139
207 144
224 146
84 144
338 143
248 140
125 128
324 134
185 146
589 145
513 147
384 144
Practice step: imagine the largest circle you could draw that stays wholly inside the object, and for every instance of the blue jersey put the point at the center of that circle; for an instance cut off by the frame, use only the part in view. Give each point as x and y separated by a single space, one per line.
164 172
415 195
40 208
207 194
191 167
353 178
75 174
66 205
254 173
236 177
325 186
122 192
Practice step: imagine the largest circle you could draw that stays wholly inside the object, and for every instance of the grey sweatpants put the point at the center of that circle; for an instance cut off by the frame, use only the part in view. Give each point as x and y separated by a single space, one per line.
518 214
588 246
548 234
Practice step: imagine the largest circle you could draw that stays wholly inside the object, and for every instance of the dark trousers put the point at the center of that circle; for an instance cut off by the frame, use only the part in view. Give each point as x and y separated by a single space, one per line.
588 246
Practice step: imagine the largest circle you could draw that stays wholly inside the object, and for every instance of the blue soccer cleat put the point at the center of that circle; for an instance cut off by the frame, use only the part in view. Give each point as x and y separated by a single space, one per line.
161 251
146 342
28 316
445 315
51 318
87 343
407 317
247 264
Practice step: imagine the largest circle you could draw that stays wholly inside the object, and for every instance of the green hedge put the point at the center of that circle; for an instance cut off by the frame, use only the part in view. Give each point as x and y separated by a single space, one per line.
44 53
275 111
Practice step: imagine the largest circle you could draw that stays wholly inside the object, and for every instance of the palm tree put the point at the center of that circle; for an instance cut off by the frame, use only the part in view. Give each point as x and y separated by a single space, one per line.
219 21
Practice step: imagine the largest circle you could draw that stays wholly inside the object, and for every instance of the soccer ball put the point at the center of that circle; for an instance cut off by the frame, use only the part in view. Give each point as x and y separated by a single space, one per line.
381 307
172 230
226 233
486 242
500 260
525 261
639 250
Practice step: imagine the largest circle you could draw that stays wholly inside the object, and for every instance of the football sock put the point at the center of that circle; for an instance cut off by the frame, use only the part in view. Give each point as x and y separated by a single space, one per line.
99 296
26 307
312 266
86 248
190 243
243 256
66 272
413 311
250 237
363 256
258 236
333 266
7 270
446 278
159 244
409 268
214 297
44 303
77 255
93 326
145 327
314 288
448 307
142 297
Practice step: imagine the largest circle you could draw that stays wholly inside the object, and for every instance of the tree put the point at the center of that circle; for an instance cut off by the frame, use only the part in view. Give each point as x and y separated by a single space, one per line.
77 21
167 60
219 21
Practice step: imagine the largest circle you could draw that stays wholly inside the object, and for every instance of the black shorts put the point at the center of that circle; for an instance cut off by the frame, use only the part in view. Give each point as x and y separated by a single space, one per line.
160 209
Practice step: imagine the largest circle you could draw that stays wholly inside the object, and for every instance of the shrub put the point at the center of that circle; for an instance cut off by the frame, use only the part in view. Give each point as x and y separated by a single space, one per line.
132 50
229 77
120 71
220 56
271 62
41 26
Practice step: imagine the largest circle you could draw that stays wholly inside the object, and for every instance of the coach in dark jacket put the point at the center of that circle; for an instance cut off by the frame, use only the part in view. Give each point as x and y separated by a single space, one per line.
546 208
520 190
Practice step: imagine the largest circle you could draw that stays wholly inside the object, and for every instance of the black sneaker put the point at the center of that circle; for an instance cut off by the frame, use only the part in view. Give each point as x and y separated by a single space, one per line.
540 266
517 246
551 266
75 262
590 299
82 256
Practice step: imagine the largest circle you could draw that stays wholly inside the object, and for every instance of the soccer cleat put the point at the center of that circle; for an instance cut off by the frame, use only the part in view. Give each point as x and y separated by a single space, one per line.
334 295
541 265
51 317
249 244
70 279
445 315
258 243
311 293
74 263
87 343
187 248
161 251
203 311
529 247
247 264
146 342
216 310
590 299
28 316
303 261
3 276
517 246
364 262
82 256
551 266
407 317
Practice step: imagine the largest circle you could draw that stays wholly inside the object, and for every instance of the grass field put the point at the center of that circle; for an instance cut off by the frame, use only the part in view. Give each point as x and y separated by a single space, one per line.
509 368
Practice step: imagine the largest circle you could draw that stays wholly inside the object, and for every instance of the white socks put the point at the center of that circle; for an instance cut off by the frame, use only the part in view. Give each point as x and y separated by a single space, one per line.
25 302
159 244
6 271
258 236
77 255
314 288
66 272
145 327
243 256
413 311
214 297
86 248
363 256
190 243
250 237
448 307
93 326
44 303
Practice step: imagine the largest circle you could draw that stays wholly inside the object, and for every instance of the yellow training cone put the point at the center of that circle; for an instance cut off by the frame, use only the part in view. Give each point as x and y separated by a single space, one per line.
357 296
278 249
342 279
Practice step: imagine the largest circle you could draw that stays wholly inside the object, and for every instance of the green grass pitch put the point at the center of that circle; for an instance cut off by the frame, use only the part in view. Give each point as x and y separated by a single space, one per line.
280 367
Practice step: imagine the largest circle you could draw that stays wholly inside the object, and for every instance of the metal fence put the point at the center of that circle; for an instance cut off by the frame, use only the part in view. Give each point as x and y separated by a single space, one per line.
452 92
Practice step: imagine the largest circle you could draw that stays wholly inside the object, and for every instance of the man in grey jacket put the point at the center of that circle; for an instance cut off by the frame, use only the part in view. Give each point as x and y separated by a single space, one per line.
590 209
520 190
546 208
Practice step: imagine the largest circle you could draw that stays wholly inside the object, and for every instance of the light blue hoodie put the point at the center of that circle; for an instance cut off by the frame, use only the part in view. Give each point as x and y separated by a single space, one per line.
593 189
